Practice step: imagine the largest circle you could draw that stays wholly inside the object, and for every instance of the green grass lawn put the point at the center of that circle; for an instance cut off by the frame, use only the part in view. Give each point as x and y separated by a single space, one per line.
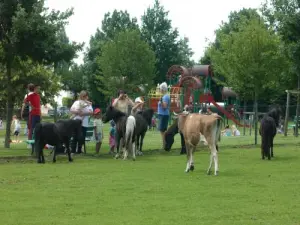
154 189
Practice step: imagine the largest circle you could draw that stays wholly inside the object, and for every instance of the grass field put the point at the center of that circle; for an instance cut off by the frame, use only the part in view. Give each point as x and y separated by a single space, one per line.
154 189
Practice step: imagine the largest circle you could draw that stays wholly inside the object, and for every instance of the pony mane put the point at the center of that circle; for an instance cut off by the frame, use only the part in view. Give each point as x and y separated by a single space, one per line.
274 112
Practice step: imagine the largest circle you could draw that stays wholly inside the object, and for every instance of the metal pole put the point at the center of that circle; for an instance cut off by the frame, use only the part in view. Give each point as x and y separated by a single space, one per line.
286 120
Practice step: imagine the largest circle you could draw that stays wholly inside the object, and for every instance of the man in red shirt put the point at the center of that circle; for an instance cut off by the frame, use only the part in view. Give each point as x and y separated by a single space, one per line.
35 108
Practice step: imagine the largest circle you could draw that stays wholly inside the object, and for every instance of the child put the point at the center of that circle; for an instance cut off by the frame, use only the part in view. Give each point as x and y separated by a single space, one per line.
17 127
226 131
138 106
98 129
153 123
1 123
112 142
235 131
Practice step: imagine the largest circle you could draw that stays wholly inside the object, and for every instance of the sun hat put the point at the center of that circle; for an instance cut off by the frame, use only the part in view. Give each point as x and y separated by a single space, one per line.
97 110
138 100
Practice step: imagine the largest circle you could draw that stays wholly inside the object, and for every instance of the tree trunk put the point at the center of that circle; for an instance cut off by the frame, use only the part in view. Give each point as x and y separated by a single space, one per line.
9 105
244 116
286 120
255 118
297 109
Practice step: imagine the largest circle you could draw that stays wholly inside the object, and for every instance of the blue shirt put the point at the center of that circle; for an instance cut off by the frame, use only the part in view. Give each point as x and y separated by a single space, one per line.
160 109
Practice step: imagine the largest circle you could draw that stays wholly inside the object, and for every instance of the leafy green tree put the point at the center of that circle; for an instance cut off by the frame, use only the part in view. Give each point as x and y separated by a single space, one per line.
29 32
127 62
249 59
66 101
74 79
157 30
284 17
185 52
112 24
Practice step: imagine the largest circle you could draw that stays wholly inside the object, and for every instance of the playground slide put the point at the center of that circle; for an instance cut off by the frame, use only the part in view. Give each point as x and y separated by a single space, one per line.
228 114
209 98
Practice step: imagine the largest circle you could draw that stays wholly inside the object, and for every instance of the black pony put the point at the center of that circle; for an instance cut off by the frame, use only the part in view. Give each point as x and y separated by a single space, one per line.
268 130
169 137
143 121
120 119
55 134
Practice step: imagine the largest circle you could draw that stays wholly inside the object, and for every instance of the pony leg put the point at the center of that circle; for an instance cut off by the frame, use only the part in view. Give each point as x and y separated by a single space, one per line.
268 148
118 147
262 152
216 161
188 159
141 143
192 167
54 154
42 155
125 153
210 163
272 155
67 145
133 151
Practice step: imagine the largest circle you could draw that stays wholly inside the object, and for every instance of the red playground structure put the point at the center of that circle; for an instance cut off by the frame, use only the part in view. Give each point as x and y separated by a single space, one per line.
186 89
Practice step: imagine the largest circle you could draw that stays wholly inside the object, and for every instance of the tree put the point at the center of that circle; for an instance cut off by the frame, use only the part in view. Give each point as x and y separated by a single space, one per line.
185 52
29 33
127 62
74 79
249 59
284 17
158 32
112 24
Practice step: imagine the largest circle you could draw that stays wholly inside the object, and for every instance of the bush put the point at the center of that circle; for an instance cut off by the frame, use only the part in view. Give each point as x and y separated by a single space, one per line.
66 101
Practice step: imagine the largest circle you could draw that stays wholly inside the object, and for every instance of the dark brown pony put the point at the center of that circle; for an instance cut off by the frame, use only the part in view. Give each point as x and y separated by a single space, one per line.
268 130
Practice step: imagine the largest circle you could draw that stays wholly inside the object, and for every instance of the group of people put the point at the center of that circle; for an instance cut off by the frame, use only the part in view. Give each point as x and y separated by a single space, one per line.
82 110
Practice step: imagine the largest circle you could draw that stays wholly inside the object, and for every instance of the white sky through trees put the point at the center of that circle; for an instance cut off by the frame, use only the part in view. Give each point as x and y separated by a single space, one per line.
195 19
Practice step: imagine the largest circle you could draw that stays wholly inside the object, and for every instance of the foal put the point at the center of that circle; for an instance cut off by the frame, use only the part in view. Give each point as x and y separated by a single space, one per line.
143 120
125 127
268 130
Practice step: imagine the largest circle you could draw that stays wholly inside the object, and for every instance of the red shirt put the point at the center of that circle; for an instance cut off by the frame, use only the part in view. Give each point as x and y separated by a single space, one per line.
35 103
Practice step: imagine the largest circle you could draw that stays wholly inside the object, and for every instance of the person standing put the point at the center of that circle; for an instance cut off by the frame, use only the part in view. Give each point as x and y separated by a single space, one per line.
123 102
81 110
34 101
163 110
98 129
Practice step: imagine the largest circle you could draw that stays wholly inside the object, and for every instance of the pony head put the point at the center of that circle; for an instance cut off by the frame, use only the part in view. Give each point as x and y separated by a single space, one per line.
169 135
112 113
275 112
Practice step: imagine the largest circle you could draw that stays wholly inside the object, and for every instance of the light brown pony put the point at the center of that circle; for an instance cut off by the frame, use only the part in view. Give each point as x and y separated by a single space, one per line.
192 125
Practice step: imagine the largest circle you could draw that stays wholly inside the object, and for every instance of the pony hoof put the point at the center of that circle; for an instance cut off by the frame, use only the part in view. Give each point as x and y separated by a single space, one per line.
117 156
133 159
192 168
54 161
70 160
216 173
187 171
208 172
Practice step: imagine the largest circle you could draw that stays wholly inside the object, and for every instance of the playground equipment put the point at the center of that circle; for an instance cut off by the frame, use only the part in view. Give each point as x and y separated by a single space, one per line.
186 88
